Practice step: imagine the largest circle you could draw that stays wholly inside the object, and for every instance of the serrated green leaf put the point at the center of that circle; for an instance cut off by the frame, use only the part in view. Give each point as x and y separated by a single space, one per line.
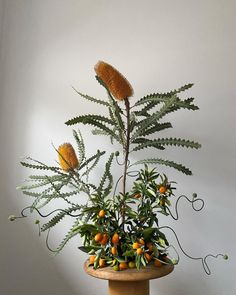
85 119
157 97
90 98
115 112
145 124
40 167
80 143
148 144
158 143
94 123
106 176
155 128
172 164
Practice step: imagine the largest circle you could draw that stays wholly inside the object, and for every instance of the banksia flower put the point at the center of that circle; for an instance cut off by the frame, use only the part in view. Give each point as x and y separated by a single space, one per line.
116 83
67 157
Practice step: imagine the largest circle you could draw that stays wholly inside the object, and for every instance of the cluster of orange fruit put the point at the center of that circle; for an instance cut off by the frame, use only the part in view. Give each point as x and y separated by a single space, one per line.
139 247
103 238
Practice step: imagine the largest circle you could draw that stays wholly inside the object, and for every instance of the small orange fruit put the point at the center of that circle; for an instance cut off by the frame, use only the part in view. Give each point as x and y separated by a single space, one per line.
162 189
132 264
157 263
104 240
123 265
141 241
98 237
137 196
114 251
148 257
102 262
115 238
150 247
101 213
139 251
136 245
92 259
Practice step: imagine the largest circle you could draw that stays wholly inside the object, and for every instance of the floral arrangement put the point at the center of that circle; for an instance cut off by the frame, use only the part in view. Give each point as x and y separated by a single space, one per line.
119 225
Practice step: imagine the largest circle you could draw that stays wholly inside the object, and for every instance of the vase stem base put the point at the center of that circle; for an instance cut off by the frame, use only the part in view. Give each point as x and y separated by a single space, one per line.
128 287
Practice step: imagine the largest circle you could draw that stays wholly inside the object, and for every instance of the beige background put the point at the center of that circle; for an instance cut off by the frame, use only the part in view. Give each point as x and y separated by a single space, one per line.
48 45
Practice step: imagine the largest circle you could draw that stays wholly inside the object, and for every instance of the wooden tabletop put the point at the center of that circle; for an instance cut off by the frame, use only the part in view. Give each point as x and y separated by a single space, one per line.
148 273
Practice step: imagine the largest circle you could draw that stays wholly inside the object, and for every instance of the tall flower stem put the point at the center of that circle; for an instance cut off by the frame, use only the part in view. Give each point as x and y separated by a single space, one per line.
126 158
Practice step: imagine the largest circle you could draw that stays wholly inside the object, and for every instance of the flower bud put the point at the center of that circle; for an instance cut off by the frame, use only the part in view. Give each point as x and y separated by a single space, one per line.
12 217
226 257
194 195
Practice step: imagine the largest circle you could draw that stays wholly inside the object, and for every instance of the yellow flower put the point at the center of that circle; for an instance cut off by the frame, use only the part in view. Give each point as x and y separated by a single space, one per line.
67 157
117 84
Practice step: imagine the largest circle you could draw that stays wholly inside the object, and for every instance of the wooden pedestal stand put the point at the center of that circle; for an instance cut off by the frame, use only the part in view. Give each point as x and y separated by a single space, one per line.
130 281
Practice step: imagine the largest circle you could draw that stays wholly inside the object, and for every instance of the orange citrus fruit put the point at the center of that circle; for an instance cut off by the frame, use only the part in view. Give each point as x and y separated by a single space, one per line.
150 247
102 262
148 257
101 213
115 238
157 263
136 245
141 241
139 251
162 189
123 265
98 237
114 251
92 259
104 239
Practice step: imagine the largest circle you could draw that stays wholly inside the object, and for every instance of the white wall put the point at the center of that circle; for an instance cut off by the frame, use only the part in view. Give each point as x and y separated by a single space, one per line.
159 45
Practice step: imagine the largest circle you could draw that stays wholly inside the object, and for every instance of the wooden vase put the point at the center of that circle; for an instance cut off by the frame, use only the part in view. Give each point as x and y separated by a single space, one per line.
130 281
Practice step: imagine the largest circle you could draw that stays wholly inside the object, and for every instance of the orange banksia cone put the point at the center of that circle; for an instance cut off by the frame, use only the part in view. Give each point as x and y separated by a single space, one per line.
67 157
116 83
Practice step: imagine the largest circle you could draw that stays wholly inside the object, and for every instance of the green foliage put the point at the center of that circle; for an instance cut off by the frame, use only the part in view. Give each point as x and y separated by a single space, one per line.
172 164
145 123
80 143
96 121
40 167
160 142
160 97
90 98
86 119
114 111
154 128
107 176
